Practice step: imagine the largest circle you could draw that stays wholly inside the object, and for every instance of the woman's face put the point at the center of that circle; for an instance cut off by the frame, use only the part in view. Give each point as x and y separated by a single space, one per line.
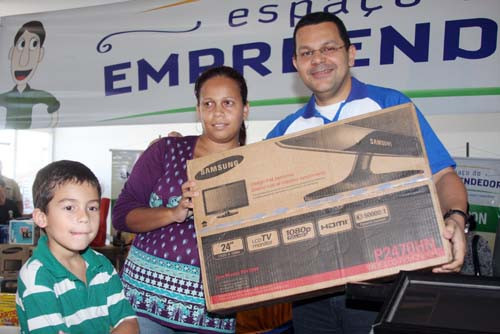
221 109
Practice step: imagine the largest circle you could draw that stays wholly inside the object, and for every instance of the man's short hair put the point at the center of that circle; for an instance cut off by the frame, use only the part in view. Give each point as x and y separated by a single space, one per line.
34 27
321 17
57 174
2 182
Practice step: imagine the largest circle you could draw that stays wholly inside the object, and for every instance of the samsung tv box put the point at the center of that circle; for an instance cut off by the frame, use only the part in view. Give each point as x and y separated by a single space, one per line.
12 258
303 214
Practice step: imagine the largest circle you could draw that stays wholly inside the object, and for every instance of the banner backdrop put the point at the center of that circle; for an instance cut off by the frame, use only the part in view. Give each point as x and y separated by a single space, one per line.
482 180
136 61
122 162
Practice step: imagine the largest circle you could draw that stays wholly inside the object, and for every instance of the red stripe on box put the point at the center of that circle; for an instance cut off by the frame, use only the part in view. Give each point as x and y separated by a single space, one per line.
327 276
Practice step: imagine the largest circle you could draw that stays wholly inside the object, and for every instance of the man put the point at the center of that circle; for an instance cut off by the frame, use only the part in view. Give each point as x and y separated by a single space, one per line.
323 57
22 106
12 191
8 208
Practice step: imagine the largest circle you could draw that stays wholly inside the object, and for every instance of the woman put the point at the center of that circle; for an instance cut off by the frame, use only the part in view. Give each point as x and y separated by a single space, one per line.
161 275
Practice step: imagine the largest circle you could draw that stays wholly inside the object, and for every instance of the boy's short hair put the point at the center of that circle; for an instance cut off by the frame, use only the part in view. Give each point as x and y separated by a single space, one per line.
56 174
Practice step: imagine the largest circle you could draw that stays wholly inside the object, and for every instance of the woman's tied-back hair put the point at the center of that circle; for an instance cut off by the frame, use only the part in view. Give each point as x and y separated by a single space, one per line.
57 174
231 73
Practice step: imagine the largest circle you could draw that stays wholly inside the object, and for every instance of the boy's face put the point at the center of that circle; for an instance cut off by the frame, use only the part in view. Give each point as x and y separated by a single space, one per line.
72 218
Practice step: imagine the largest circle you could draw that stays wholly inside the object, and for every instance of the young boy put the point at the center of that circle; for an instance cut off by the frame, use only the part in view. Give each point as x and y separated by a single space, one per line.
66 287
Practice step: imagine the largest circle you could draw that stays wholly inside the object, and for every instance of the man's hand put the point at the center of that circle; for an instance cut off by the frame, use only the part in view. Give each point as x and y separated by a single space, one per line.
170 134
454 232
174 134
452 195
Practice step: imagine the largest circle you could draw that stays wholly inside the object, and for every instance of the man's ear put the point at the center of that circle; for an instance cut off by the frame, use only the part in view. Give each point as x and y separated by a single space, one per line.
42 53
294 61
10 52
351 53
40 218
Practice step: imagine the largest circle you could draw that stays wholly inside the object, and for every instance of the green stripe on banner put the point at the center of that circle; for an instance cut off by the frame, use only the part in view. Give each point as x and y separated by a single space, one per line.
481 91
276 102
486 217
153 113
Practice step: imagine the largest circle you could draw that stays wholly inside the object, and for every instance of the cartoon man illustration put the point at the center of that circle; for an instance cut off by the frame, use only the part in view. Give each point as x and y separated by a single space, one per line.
24 107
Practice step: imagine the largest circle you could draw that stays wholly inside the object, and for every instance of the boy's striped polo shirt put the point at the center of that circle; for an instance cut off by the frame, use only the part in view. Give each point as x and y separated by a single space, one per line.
50 298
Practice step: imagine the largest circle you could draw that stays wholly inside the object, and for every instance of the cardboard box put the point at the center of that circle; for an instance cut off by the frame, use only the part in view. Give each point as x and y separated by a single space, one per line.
13 257
8 314
23 232
296 215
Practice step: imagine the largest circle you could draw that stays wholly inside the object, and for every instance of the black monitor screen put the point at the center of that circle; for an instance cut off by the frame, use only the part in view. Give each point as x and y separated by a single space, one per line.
12 265
449 306
225 197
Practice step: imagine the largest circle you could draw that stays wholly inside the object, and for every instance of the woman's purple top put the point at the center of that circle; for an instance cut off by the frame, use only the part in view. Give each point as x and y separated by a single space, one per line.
161 276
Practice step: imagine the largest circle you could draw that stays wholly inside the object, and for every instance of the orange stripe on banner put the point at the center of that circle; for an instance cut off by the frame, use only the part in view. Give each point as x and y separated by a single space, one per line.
171 5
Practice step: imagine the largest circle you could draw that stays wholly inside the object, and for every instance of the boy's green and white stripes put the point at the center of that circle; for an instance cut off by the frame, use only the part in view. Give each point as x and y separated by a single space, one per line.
50 298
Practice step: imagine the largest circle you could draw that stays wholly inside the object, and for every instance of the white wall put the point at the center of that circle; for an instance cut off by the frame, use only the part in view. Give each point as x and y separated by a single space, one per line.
480 130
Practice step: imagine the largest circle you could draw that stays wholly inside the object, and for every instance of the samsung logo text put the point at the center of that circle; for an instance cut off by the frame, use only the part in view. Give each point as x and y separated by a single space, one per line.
219 167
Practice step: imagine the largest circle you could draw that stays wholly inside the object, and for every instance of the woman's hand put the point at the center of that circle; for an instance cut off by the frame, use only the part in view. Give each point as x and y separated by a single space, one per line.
181 211
140 220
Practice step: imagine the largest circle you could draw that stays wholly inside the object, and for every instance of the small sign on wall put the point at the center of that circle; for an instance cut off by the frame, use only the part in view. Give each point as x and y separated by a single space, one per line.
22 232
